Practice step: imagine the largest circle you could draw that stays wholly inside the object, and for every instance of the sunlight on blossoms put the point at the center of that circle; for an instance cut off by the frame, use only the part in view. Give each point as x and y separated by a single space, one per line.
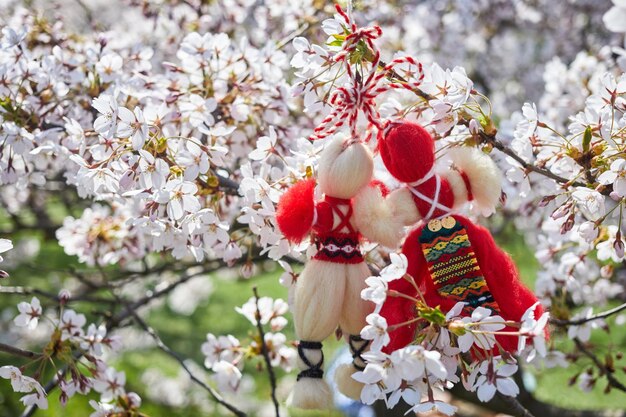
360 208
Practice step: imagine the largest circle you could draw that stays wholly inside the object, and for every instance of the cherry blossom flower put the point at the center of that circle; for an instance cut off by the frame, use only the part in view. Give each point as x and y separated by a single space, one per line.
101 409
588 231
107 106
180 198
199 110
25 384
221 348
615 17
153 171
108 65
72 325
583 331
110 385
396 269
533 328
590 201
479 330
607 249
269 310
376 290
415 361
227 376
494 377
439 406
616 176
132 125
14 375
29 314
94 339
264 146
409 392
376 331
5 245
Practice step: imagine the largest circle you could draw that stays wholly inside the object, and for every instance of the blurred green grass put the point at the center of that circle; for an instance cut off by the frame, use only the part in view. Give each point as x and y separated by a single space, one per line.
185 334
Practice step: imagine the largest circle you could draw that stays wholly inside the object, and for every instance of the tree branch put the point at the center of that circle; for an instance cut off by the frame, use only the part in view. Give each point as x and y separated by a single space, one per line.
493 140
265 352
176 356
604 370
12 350
584 320
516 407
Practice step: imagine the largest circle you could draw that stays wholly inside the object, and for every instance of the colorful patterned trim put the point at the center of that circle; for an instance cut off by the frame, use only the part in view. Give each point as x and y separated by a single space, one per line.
453 265
339 248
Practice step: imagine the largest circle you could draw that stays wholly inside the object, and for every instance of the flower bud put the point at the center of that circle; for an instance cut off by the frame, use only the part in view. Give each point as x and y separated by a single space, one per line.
457 327
618 245
561 211
588 231
64 296
567 226
546 200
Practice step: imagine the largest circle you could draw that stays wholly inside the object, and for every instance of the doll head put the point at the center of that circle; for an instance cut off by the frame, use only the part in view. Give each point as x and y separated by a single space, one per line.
346 166
408 151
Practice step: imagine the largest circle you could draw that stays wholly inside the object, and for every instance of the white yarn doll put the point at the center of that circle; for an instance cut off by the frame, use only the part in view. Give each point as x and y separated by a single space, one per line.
328 291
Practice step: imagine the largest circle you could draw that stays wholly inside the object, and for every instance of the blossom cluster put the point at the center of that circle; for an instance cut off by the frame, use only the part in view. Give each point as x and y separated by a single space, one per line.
444 344
81 349
225 356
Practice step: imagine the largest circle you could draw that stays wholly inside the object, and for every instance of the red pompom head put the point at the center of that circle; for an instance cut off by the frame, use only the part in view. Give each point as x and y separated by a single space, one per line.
296 210
408 151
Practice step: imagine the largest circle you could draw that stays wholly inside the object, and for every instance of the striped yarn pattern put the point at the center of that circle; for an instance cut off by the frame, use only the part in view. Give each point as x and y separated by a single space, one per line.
453 265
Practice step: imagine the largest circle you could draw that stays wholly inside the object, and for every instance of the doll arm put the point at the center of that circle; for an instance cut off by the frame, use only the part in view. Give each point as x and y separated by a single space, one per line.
295 213
403 206
374 217
474 177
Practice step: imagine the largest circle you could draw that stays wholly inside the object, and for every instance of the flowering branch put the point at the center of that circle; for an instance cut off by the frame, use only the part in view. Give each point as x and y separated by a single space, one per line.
604 369
214 394
583 320
265 351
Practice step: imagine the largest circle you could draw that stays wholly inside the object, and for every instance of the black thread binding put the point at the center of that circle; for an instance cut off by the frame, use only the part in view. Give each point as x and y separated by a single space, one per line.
357 351
314 370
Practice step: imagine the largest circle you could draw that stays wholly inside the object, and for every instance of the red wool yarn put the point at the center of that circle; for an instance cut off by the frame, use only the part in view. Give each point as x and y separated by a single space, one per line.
296 211
408 152
497 267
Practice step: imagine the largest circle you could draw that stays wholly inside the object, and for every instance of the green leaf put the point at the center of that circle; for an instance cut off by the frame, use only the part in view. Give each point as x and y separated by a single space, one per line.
433 315
587 139
336 42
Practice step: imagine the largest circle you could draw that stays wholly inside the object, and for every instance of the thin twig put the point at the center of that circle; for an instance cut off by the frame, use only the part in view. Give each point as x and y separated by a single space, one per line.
214 394
299 31
265 352
493 140
604 370
115 321
51 296
12 350
584 320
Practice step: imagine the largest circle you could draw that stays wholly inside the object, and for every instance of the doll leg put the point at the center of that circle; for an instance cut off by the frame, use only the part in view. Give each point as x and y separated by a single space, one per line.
317 307
352 320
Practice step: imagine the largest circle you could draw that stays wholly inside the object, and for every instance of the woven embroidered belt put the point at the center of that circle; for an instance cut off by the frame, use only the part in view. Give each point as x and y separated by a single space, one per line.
453 265
344 250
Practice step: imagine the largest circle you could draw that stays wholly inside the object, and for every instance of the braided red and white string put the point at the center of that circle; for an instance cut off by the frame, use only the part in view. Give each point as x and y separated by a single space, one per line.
359 94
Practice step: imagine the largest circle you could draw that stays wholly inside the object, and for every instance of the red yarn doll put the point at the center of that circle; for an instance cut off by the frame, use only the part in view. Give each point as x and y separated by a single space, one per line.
328 291
450 258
